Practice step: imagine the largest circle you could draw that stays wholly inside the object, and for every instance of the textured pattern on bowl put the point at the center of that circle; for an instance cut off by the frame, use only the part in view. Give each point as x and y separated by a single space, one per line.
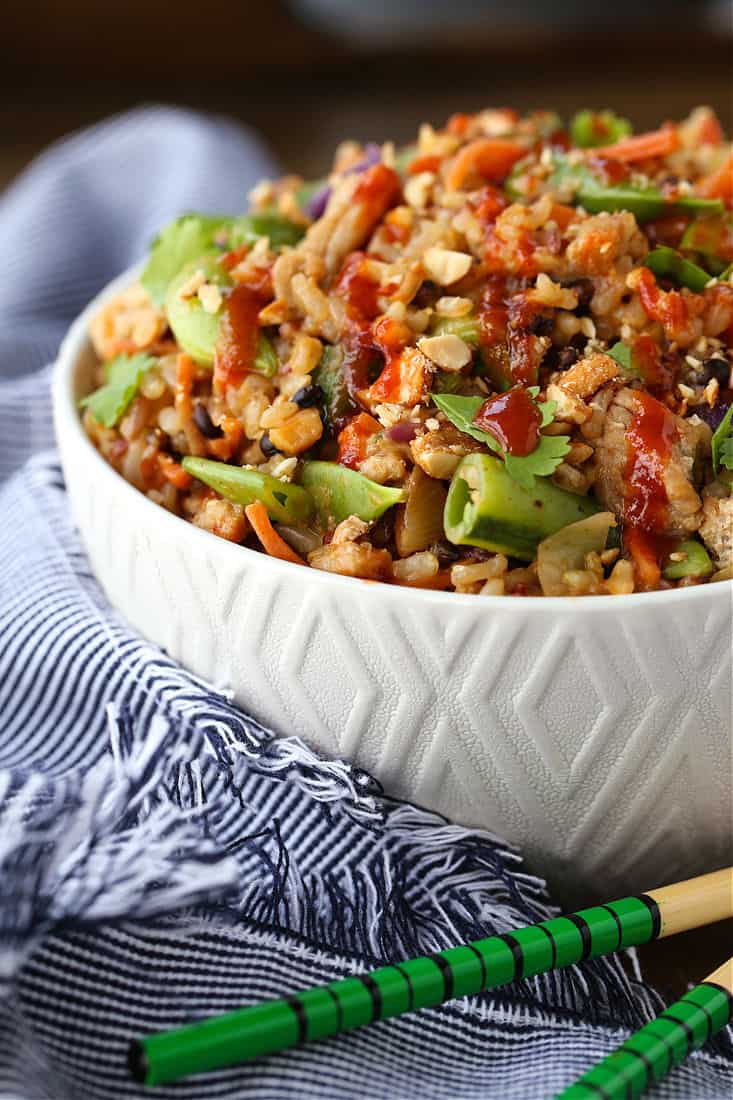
596 733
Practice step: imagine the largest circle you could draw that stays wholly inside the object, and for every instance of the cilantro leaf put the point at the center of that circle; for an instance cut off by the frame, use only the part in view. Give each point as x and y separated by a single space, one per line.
547 455
110 401
722 443
726 453
622 353
180 243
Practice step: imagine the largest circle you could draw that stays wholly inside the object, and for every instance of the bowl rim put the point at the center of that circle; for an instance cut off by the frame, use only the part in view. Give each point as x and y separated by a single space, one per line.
67 422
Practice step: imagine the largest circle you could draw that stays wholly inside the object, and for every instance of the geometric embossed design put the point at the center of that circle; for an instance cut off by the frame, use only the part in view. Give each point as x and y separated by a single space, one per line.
595 734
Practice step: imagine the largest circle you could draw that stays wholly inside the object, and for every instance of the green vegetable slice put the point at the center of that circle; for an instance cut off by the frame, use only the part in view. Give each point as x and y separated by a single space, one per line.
285 503
266 361
339 492
593 128
665 263
547 455
710 238
280 231
488 508
177 245
722 443
645 203
466 327
194 328
111 401
696 562
337 403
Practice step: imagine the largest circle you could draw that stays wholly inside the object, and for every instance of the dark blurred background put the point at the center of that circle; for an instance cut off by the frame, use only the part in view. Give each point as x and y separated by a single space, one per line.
307 73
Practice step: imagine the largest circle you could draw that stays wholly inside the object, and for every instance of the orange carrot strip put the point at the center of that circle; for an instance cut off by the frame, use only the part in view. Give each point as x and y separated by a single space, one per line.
490 158
174 472
644 557
719 184
275 546
563 215
656 143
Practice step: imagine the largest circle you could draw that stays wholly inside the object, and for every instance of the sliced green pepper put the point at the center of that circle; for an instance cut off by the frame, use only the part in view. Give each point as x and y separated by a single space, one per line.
285 503
592 128
486 507
339 492
696 562
665 263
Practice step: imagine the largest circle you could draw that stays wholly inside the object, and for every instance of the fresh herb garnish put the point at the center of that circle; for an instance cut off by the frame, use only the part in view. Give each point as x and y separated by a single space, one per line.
181 242
722 444
110 401
542 461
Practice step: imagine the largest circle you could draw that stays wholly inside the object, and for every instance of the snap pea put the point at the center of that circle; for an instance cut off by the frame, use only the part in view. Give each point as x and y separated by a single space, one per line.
488 508
339 492
711 239
645 203
285 503
696 562
664 262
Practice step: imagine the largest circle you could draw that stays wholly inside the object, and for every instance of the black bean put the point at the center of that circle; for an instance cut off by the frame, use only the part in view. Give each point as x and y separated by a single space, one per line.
204 423
445 552
567 357
307 396
267 447
541 325
718 369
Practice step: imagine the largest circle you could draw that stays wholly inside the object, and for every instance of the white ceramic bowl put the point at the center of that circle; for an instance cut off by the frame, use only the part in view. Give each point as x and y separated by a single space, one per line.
595 733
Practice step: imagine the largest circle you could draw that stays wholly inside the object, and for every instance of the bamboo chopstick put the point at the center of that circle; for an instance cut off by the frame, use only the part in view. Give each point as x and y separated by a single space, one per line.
430 980
660 1045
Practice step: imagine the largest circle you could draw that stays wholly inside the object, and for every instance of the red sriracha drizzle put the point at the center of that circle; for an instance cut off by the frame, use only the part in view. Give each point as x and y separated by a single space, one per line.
649 441
237 344
513 419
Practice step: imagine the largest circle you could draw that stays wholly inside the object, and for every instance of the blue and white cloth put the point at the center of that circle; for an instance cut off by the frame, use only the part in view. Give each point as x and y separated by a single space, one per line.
162 856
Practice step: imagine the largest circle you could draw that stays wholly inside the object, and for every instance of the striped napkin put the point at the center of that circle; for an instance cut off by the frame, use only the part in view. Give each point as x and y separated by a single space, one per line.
164 857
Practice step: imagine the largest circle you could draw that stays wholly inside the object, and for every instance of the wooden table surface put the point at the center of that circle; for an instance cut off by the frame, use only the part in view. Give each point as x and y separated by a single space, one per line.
66 66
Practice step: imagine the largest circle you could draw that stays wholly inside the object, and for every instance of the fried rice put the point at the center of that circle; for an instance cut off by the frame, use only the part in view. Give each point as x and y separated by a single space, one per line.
497 361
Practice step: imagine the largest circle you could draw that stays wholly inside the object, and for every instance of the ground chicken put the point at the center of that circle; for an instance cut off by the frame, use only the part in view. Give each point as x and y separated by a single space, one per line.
684 507
716 529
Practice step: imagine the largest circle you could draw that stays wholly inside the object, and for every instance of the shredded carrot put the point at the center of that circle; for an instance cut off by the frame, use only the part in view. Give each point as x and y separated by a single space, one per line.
490 158
185 370
656 143
275 546
174 472
563 215
719 184
224 447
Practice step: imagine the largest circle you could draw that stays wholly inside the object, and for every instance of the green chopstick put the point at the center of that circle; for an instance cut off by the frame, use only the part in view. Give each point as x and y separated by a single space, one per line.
657 1047
431 980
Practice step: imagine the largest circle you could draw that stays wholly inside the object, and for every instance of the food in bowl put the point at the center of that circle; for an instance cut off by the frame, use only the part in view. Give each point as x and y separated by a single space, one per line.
497 361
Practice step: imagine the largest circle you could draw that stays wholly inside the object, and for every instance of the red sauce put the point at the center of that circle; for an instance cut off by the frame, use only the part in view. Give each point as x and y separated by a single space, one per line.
378 188
668 230
387 386
237 344
487 205
353 439
357 288
493 314
667 307
518 256
608 168
513 419
649 441
390 336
